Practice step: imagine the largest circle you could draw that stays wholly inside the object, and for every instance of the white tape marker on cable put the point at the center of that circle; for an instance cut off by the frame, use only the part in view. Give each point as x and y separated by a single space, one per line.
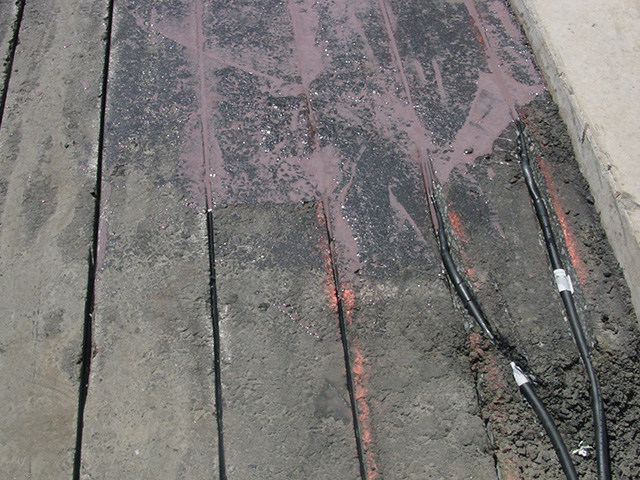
563 281
519 375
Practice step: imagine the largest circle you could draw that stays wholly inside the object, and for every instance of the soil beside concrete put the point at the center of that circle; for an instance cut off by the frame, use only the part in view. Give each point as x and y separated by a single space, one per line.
500 247
605 299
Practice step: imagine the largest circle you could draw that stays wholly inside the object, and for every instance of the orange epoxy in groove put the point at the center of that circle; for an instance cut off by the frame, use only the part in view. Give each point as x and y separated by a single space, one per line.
563 219
458 227
361 391
363 409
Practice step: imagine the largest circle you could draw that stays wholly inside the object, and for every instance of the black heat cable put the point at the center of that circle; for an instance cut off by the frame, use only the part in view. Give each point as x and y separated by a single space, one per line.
462 289
565 287
345 345
524 384
473 307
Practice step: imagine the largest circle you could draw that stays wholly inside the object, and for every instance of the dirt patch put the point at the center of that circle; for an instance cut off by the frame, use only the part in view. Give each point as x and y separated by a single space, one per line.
500 246
605 295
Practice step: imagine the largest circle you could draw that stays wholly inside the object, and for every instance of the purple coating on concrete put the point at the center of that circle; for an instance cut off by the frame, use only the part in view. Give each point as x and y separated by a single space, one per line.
499 92
262 100
281 149
298 101
306 159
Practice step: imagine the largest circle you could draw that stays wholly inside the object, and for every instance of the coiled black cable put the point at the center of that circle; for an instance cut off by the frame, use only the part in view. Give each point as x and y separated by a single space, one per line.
566 293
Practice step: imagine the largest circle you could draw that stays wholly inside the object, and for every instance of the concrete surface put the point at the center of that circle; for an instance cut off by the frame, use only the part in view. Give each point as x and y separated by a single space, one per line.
48 145
276 116
286 405
198 87
589 52
8 16
7 23
150 410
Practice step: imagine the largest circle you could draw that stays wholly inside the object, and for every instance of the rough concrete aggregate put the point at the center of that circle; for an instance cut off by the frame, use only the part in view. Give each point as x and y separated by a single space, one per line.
8 16
150 409
286 406
281 116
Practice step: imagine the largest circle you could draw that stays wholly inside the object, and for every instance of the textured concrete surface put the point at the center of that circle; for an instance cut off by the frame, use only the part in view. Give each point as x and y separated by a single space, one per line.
8 17
286 405
417 399
589 52
150 410
7 20
48 145
276 116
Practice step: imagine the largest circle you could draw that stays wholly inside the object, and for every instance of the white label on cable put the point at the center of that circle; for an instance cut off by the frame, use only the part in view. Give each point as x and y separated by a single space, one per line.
518 374
563 281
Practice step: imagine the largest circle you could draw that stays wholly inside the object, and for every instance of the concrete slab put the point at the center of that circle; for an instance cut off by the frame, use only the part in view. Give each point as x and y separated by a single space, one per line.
150 411
8 17
286 405
417 406
8 13
213 103
328 116
48 151
588 52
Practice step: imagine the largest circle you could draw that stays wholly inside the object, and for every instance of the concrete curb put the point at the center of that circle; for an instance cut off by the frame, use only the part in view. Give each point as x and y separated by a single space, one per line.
589 55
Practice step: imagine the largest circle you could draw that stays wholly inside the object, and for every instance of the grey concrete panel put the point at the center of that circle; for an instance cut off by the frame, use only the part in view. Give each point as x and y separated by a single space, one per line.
150 411
418 409
8 15
48 145
286 404
8 12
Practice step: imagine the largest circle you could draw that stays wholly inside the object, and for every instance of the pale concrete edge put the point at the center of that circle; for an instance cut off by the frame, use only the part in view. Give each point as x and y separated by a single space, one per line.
591 159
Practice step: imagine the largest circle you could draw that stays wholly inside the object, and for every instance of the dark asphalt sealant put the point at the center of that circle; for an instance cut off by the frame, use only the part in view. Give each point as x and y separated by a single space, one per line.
215 324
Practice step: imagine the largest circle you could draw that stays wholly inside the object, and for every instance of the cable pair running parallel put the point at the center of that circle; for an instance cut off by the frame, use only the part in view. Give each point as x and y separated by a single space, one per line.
565 289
